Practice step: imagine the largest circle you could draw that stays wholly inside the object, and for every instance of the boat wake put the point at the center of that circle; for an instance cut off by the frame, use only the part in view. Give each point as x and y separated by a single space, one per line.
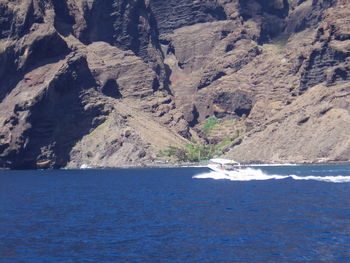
250 174
330 179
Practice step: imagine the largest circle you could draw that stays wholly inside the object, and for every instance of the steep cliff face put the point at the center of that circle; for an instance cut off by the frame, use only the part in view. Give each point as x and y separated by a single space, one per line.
313 125
114 82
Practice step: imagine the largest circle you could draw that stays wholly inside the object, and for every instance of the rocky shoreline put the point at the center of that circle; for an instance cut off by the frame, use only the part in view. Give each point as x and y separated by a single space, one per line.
193 165
205 163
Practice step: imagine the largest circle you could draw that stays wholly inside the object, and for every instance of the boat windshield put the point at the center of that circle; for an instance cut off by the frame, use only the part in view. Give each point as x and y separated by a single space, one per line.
225 164
224 161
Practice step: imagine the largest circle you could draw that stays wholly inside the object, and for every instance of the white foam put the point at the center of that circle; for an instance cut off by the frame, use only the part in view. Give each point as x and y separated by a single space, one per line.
85 166
272 164
245 174
331 179
250 174
194 166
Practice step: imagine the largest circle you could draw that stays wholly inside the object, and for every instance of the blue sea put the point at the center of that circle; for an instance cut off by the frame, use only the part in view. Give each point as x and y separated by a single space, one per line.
259 214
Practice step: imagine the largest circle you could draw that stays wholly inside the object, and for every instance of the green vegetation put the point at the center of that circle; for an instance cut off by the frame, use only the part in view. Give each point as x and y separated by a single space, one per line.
190 152
221 145
219 133
170 151
196 152
209 124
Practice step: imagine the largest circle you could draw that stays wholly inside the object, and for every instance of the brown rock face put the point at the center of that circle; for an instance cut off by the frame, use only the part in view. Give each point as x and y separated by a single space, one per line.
312 128
114 82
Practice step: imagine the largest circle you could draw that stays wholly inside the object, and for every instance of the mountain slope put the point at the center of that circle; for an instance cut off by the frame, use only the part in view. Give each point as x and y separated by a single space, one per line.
115 82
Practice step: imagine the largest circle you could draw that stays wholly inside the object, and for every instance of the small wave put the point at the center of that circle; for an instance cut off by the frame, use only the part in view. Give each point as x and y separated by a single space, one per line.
331 179
195 166
250 174
85 166
246 174
273 164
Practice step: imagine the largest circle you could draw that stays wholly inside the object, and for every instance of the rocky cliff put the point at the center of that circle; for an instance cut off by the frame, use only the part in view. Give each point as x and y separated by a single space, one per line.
117 82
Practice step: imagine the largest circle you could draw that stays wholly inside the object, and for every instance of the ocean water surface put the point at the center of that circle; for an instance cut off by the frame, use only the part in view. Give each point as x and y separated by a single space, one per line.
260 214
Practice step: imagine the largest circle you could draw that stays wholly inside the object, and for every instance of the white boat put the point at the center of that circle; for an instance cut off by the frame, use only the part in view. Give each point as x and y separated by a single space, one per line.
223 165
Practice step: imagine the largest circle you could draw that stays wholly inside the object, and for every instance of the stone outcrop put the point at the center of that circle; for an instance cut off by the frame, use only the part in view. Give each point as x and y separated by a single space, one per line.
115 82
311 127
314 128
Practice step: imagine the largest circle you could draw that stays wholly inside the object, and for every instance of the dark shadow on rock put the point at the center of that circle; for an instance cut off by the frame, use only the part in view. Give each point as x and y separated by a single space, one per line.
195 115
319 61
206 82
119 24
233 103
99 23
63 21
111 89
216 12
167 82
7 18
59 119
44 50
274 15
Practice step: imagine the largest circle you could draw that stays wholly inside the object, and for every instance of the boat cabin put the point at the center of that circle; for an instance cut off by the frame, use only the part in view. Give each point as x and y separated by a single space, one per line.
218 164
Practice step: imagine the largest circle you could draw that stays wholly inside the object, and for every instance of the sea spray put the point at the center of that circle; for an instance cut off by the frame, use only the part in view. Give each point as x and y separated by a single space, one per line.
245 174
250 174
330 179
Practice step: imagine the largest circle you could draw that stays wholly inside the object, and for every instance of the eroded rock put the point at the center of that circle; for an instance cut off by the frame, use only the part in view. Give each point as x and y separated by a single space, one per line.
108 83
